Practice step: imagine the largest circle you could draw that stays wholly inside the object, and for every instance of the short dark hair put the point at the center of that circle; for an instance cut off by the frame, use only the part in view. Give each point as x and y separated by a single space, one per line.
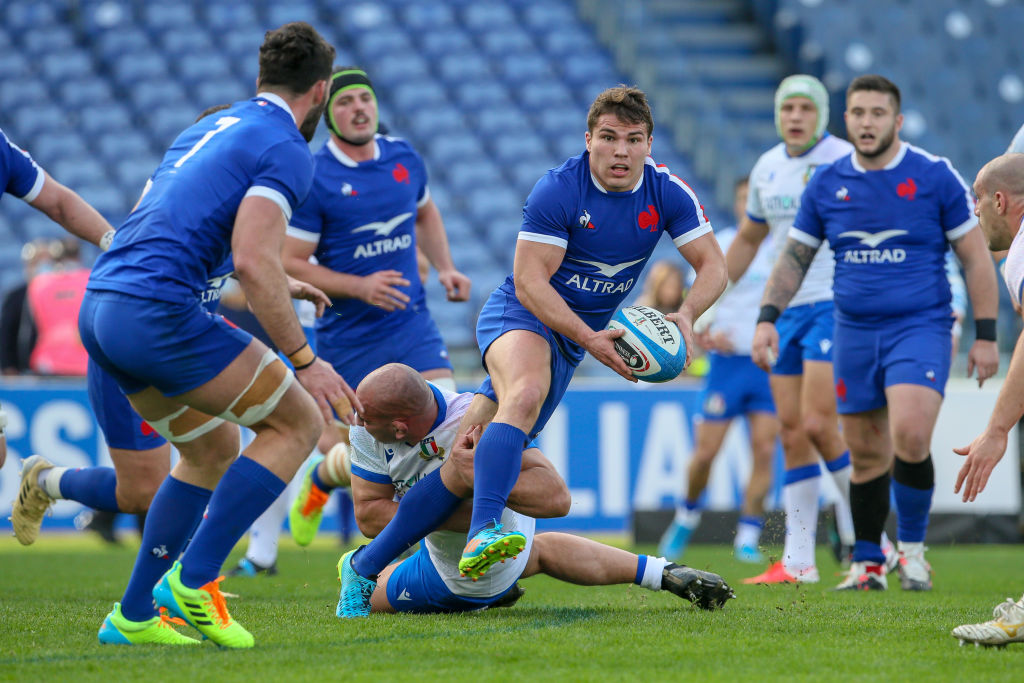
876 83
211 110
741 182
626 103
294 57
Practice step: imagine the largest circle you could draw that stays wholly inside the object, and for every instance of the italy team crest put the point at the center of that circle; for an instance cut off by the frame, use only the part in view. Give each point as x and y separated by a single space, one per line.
430 450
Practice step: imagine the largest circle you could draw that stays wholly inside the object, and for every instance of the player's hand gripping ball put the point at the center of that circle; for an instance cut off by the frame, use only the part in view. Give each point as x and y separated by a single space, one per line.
652 347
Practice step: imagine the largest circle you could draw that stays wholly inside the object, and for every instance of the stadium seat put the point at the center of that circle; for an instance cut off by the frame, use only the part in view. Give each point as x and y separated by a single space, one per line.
541 95
523 174
476 94
457 146
279 14
159 17
509 149
76 172
586 69
452 39
421 16
149 95
79 92
499 44
562 120
167 122
374 45
21 15
523 68
545 16
399 68
47 39
224 17
488 16
502 121
96 17
437 120
119 145
415 95
35 119
202 66
220 91
469 173
133 173
50 145
141 67
123 43
17 92
462 67
13 65
242 44
60 67
178 42
561 41
108 200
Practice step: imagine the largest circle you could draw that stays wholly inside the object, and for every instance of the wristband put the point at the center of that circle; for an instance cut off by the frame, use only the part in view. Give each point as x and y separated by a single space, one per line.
302 357
769 314
985 329
105 241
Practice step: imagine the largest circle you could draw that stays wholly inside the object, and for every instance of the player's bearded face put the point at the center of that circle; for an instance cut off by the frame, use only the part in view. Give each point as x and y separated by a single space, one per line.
309 124
872 122
617 152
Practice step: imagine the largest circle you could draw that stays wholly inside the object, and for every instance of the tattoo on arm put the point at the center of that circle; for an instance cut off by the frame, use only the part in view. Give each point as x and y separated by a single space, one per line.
788 273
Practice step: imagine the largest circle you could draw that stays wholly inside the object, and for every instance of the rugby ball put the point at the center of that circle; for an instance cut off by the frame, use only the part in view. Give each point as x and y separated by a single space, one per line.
652 346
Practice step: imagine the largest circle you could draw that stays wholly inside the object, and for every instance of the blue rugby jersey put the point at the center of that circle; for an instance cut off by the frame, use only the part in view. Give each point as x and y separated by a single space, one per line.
19 174
362 218
889 230
180 233
607 236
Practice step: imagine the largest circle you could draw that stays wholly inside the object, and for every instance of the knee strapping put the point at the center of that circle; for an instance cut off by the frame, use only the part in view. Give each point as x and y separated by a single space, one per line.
184 425
338 465
263 393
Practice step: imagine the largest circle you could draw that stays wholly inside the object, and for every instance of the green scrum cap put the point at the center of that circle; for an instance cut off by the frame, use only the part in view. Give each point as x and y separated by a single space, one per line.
802 85
340 82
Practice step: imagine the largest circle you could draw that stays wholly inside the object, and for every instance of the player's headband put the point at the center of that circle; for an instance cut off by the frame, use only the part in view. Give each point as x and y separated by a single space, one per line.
802 85
340 82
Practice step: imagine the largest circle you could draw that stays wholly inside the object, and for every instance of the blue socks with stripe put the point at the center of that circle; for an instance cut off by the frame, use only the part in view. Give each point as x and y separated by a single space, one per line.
496 465
175 512
422 509
243 493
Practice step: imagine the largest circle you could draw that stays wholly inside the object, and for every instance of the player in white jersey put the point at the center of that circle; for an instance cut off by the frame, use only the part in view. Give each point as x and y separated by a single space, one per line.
411 429
999 188
801 379
735 388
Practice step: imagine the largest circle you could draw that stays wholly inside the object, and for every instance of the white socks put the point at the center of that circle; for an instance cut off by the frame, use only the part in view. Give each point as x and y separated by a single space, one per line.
686 517
800 500
49 479
652 572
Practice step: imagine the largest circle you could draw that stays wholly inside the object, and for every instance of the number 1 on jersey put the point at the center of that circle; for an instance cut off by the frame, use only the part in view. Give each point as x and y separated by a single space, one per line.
223 123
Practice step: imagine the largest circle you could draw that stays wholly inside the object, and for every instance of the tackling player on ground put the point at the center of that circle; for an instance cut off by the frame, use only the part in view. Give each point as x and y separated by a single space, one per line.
999 188
589 227
889 212
801 378
411 431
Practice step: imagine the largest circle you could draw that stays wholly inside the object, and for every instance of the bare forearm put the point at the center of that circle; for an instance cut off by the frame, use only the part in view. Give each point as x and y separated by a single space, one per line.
979 276
77 216
334 284
266 288
432 239
707 287
1010 404
788 274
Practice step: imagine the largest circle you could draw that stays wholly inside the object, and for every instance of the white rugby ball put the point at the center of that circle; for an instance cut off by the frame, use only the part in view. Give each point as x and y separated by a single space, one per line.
652 346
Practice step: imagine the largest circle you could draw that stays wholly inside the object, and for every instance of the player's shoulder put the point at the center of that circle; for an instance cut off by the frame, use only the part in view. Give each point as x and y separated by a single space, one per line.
663 176
562 182
394 145
917 157
768 160
831 148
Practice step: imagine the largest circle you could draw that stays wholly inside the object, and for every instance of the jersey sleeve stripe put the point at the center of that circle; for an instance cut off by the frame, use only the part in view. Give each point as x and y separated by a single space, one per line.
375 477
423 200
687 189
803 238
1020 292
274 196
962 229
543 239
690 235
37 186
756 219
304 235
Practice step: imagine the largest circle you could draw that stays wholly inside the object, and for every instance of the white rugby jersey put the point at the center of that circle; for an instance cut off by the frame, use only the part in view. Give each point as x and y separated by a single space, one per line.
736 315
777 182
1013 271
403 464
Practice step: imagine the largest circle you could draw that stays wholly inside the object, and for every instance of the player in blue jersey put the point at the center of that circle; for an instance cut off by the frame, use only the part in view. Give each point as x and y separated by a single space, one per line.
589 226
889 212
227 186
802 379
1000 210
735 388
366 214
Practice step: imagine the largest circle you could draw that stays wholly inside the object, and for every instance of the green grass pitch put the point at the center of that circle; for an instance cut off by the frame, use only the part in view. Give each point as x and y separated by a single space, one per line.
54 595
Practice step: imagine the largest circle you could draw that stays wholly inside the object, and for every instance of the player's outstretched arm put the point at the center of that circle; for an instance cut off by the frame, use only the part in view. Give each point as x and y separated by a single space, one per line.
534 265
377 289
705 256
433 241
73 213
744 247
256 247
983 290
987 449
